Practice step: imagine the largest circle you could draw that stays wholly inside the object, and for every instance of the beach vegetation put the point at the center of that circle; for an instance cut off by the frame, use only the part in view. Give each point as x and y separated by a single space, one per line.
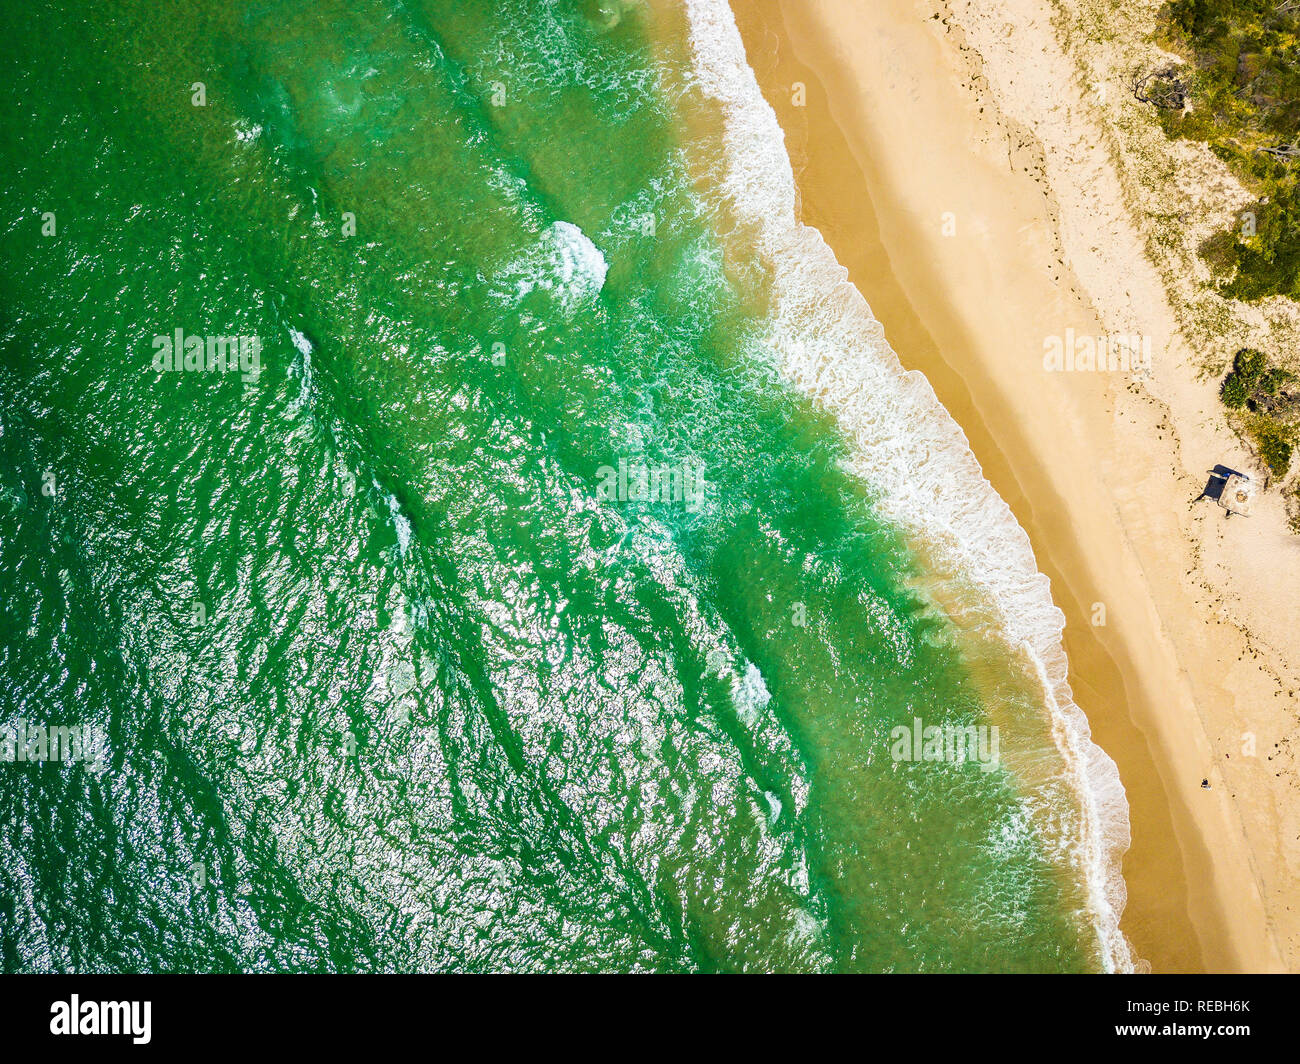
1274 450
1233 392
1219 252
1260 393
1239 92
1293 509
1255 384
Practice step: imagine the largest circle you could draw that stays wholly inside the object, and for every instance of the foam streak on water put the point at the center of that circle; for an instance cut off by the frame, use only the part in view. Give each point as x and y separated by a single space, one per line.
904 443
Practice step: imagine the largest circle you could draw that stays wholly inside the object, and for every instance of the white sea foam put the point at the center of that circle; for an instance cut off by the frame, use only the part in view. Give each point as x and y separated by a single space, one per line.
300 368
749 694
301 343
904 443
564 262
401 523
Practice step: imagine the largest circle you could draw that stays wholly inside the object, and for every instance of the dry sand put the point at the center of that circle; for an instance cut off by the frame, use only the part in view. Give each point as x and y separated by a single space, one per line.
950 158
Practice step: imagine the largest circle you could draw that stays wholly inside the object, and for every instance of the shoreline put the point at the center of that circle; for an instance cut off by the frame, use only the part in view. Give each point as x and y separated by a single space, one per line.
938 206
831 347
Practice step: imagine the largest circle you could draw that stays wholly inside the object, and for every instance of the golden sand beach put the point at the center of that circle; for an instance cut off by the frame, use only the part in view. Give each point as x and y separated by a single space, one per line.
959 170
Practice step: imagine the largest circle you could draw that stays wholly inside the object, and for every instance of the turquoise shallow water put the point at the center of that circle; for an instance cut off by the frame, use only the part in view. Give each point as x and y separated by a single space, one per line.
395 671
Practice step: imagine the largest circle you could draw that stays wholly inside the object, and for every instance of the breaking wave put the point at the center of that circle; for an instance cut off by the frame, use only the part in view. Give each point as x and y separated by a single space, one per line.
833 349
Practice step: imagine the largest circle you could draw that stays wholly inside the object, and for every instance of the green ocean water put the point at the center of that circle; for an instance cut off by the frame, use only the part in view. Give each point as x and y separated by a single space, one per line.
387 678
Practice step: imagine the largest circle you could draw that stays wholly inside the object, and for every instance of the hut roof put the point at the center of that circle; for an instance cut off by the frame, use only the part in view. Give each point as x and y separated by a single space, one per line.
1238 494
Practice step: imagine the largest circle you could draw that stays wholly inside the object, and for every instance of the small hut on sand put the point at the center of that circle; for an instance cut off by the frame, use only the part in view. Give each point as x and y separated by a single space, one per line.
1234 491
1238 493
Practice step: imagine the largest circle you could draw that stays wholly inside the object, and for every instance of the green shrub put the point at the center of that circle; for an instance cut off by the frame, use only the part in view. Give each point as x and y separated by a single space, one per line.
1249 365
1233 392
1272 382
1274 450
1249 369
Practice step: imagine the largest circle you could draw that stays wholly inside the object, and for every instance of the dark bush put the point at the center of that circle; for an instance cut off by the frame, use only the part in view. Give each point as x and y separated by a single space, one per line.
1249 365
1233 392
